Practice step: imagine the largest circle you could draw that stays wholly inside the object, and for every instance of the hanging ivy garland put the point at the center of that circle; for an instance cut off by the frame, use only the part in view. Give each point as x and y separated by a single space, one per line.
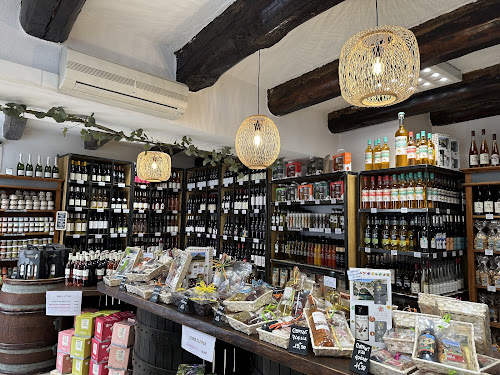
102 134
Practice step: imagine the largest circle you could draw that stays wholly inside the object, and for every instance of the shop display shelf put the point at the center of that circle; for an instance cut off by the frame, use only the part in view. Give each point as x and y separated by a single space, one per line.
486 252
410 296
311 267
29 211
333 203
485 217
495 324
436 211
241 239
26 234
312 178
8 260
414 254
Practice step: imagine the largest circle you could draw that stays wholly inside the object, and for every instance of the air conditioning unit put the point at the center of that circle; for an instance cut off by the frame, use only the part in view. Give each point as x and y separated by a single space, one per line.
91 78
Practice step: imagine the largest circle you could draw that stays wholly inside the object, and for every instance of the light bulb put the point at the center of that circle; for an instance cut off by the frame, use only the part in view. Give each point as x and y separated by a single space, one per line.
257 140
154 165
377 66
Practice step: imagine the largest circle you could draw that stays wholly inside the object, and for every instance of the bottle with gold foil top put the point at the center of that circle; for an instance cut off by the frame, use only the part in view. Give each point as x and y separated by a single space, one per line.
386 154
411 150
431 150
410 191
377 155
423 149
369 156
322 336
401 142
417 145
420 192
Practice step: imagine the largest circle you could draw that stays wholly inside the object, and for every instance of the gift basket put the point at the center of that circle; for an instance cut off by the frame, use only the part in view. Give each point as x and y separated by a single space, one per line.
133 256
249 299
277 332
249 321
384 362
143 290
178 269
203 298
400 340
147 270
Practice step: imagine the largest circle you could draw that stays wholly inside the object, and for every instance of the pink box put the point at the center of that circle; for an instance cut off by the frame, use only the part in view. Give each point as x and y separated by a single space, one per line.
100 351
64 341
104 327
119 358
98 368
113 371
64 363
123 334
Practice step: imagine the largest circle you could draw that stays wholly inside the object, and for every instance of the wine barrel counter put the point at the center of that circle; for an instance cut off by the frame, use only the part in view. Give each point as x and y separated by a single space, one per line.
158 349
27 335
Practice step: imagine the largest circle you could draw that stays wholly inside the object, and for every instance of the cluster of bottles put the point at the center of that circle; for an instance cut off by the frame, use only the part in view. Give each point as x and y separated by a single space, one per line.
199 224
118 224
94 244
152 244
199 202
237 202
430 277
200 179
235 226
100 199
444 232
39 170
164 224
486 201
202 242
410 191
160 200
76 224
488 271
318 251
140 223
141 200
174 182
88 268
482 157
300 219
246 252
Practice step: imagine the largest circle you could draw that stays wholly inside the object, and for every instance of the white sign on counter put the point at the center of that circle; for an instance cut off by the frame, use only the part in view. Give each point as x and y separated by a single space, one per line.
63 303
198 343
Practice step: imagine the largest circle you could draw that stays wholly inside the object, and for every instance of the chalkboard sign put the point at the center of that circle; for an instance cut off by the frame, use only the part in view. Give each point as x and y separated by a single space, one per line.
219 315
183 306
122 284
299 340
156 292
360 360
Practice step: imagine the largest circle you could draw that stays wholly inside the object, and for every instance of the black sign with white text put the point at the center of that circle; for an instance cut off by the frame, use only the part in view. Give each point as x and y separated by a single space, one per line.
219 315
183 306
360 361
156 292
299 340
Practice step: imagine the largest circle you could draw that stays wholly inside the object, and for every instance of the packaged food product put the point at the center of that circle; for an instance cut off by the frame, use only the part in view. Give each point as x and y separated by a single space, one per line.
191 370
178 270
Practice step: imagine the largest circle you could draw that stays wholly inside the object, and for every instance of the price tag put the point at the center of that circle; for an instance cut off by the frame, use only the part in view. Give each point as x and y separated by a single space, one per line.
126 210
141 211
257 181
280 229
489 216
491 288
173 233
214 236
157 234
236 212
76 236
299 340
113 235
454 253
276 203
100 210
198 234
51 233
328 230
226 184
159 188
140 235
226 211
183 305
212 211
242 239
488 252
460 253
404 210
302 202
220 313
354 274
255 240
373 210
417 254
316 201
79 182
394 252
98 236
244 212
240 183
122 284
156 292
235 238
189 211
123 234
121 184
224 237
200 188
338 231
78 209
368 250
101 183
273 227
175 211
445 254
437 211
333 201
330 282
159 211
288 203
256 211
448 211
117 210
208 235
175 190
200 211
360 360
143 187
434 256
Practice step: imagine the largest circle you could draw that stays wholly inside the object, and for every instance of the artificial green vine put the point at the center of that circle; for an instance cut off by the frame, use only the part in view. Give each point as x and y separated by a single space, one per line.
103 134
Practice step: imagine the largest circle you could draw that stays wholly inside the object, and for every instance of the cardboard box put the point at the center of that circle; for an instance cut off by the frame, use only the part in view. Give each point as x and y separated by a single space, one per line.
80 366
84 325
124 314
64 363
98 368
337 187
109 312
123 334
305 192
104 327
293 169
119 358
64 341
342 162
80 347
100 352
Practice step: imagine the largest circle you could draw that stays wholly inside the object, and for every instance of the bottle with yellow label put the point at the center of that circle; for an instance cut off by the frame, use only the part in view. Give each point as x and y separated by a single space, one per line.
431 150
423 149
377 155
401 142
369 156
386 154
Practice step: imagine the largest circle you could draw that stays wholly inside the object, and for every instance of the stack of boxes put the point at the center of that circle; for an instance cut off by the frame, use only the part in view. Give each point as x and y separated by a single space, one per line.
120 351
64 363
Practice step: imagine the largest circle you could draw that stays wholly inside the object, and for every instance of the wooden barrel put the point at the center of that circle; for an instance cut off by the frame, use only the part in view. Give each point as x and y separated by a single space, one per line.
27 335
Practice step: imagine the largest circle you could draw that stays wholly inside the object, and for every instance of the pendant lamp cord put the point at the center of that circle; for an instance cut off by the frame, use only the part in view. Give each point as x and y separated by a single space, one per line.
376 11
258 87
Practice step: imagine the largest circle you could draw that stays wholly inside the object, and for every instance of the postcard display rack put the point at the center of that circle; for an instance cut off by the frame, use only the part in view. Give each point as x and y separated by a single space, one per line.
313 225
392 255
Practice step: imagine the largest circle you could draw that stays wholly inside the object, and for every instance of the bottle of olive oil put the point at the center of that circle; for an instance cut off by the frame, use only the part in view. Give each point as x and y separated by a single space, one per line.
401 142
369 156
377 155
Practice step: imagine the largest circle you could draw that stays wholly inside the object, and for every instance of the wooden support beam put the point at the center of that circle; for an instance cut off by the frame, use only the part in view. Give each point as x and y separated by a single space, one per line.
467 29
245 27
474 88
51 20
486 108
13 127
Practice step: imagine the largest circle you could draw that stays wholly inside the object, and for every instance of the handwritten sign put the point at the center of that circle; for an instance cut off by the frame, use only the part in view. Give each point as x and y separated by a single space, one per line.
122 284
299 340
183 306
330 282
156 292
64 303
220 313
361 358
198 343
61 220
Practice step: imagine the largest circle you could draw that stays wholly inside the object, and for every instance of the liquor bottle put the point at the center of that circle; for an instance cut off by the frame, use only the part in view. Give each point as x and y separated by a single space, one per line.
424 281
386 154
431 150
411 150
55 169
386 194
368 233
369 156
401 139
403 202
394 234
377 155
410 191
68 271
395 204
376 235
473 152
78 171
403 236
320 331
372 193
495 155
423 149
365 194
20 166
416 281
420 192
379 193
484 154
488 201
29 167
417 145
48 170
38 168
479 202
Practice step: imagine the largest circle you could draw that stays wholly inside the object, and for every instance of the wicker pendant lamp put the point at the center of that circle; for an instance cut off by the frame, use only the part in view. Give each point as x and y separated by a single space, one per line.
154 166
379 67
257 141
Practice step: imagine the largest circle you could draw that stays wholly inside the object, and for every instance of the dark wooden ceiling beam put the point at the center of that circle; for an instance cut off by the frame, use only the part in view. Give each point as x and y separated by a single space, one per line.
245 27
467 29
50 20
474 88
486 108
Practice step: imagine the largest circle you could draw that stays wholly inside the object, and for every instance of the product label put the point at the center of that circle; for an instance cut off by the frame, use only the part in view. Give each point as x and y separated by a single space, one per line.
410 193
95 369
478 207
394 195
422 150
401 144
365 196
497 207
484 158
488 206
419 193
426 288
424 244
28 174
319 320
426 343
85 322
78 365
121 332
372 195
385 156
368 158
402 194
495 160
79 345
65 340
415 288
377 157
411 152
55 175
386 195
361 331
474 160
120 355
379 194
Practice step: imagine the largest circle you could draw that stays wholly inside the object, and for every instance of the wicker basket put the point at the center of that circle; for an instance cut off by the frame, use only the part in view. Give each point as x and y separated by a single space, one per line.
491 362
407 319
146 277
396 345
274 339
377 368
236 306
112 280
242 327
165 297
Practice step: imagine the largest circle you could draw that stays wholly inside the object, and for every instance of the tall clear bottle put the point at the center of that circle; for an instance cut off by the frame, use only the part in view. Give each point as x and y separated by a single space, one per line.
495 155
386 154
484 154
401 142
431 150
473 152
423 149
369 156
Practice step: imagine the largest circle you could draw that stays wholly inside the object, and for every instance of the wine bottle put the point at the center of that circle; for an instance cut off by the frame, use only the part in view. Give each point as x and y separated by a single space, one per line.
29 167
38 168
495 156
55 169
484 154
411 150
473 152
48 170
401 142
20 166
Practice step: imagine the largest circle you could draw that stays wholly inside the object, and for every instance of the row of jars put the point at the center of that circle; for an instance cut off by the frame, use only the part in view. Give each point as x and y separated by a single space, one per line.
25 224
10 248
321 190
26 200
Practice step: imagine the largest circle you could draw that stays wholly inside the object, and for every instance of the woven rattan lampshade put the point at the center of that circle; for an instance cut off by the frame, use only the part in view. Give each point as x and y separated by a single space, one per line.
154 166
379 66
257 142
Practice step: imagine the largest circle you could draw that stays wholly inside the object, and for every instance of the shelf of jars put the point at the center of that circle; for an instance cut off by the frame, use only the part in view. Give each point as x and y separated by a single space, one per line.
97 195
414 215
313 224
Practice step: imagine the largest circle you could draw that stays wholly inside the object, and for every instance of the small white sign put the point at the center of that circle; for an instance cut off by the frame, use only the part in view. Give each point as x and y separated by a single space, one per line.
157 234
328 230
255 240
488 252
257 181
224 237
198 343
434 256
102 183
121 184
280 229
448 211
368 250
489 216
288 203
61 220
354 274
490 288
330 282
63 303
244 212
143 187
338 231
159 211
117 210
100 210
333 201
373 210
417 254
242 239
140 234
445 254
98 236
78 209
123 234
256 211
316 201
113 235
276 203
126 210
437 211
79 182
404 210
394 252
273 227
